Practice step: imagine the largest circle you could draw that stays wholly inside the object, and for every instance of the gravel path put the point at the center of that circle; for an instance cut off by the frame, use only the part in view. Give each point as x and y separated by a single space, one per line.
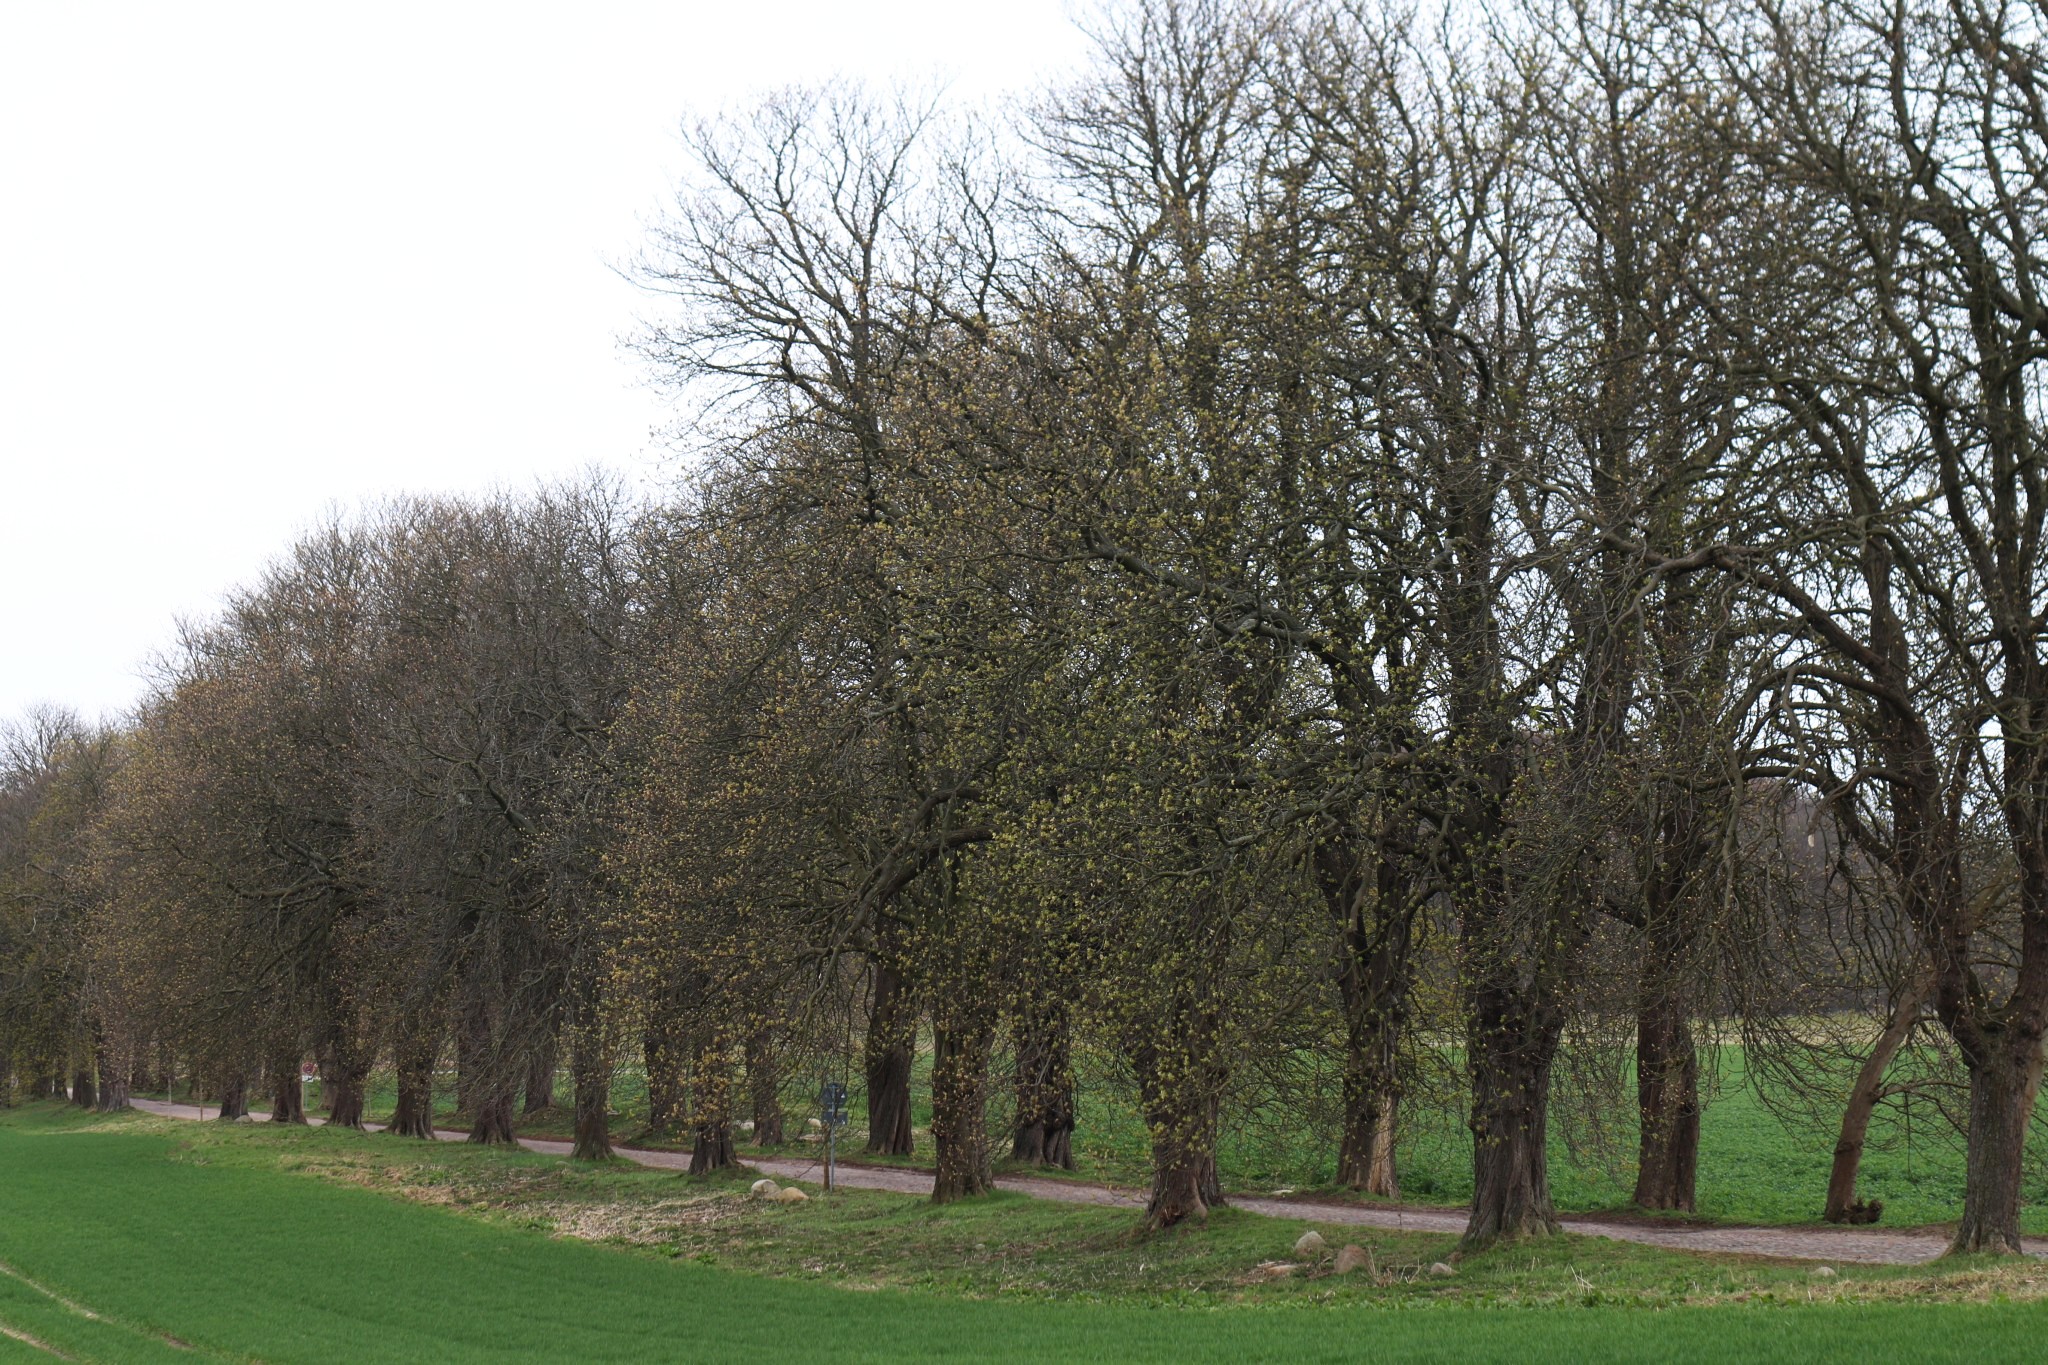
1796 1243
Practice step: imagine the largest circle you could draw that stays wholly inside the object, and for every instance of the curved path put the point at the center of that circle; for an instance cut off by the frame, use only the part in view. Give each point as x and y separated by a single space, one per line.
1795 1243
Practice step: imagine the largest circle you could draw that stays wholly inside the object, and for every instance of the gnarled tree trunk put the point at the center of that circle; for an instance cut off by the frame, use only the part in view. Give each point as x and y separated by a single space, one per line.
234 1096
496 1098
1669 972
1512 1042
1372 906
1375 999
114 1066
417 1049
1365 1157
1185 1184
1667 1093
1180 1089
960 1050
1045 1086
711 1094
891 1043
287 1094
713 1150
2003 1084
346 1079
590 1066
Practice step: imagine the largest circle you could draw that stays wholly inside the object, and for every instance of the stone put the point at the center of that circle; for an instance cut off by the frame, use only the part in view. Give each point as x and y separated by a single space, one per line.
766 1188
790 1195
1310 1244
1272 1270
1353 1257
1825 1272
1443 1268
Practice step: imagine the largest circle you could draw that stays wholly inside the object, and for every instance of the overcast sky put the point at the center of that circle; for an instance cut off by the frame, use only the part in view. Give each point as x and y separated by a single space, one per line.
258 260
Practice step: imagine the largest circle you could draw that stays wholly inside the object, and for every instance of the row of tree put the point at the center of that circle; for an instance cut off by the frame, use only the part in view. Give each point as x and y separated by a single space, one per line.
1342 544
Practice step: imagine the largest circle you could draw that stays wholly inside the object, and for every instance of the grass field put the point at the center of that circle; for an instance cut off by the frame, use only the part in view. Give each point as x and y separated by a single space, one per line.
305 1245
1755 1167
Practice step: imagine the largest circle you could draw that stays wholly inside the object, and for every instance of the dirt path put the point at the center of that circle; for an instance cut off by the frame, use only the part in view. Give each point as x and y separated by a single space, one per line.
1796 1243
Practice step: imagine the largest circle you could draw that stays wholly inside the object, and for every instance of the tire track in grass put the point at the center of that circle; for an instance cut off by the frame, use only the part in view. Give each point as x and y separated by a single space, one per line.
33 1343
21 1321
102 1330
49 1293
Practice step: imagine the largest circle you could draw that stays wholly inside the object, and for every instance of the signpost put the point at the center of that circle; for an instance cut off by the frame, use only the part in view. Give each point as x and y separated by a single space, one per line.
832 1103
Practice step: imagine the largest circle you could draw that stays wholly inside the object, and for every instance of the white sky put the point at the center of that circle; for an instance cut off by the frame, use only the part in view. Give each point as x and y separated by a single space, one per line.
257 260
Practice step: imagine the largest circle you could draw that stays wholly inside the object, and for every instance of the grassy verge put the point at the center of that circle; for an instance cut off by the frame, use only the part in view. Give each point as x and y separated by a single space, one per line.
1755 1166
314 1246
1014 1246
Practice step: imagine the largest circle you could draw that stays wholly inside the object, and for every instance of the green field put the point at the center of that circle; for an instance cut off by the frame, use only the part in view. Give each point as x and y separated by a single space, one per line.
304 1245
1755 1166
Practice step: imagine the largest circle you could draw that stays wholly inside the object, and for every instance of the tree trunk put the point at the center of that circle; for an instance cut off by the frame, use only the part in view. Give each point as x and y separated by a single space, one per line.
347 1076
1670 971
960 1053
114 1066
496 1099
1369 893
83 1092
1185 1184
540 1075
234 1096
891 1044
287 1095
472 1053
711 1096
1667 1096
414 1054
42 1085
323 1065
2002 1089
713 1149
488 1067
1380 1178
1365 1158
662 1051
764 1088
590 1066
1512 1042
1045 1087
1842 1205
1180 1090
